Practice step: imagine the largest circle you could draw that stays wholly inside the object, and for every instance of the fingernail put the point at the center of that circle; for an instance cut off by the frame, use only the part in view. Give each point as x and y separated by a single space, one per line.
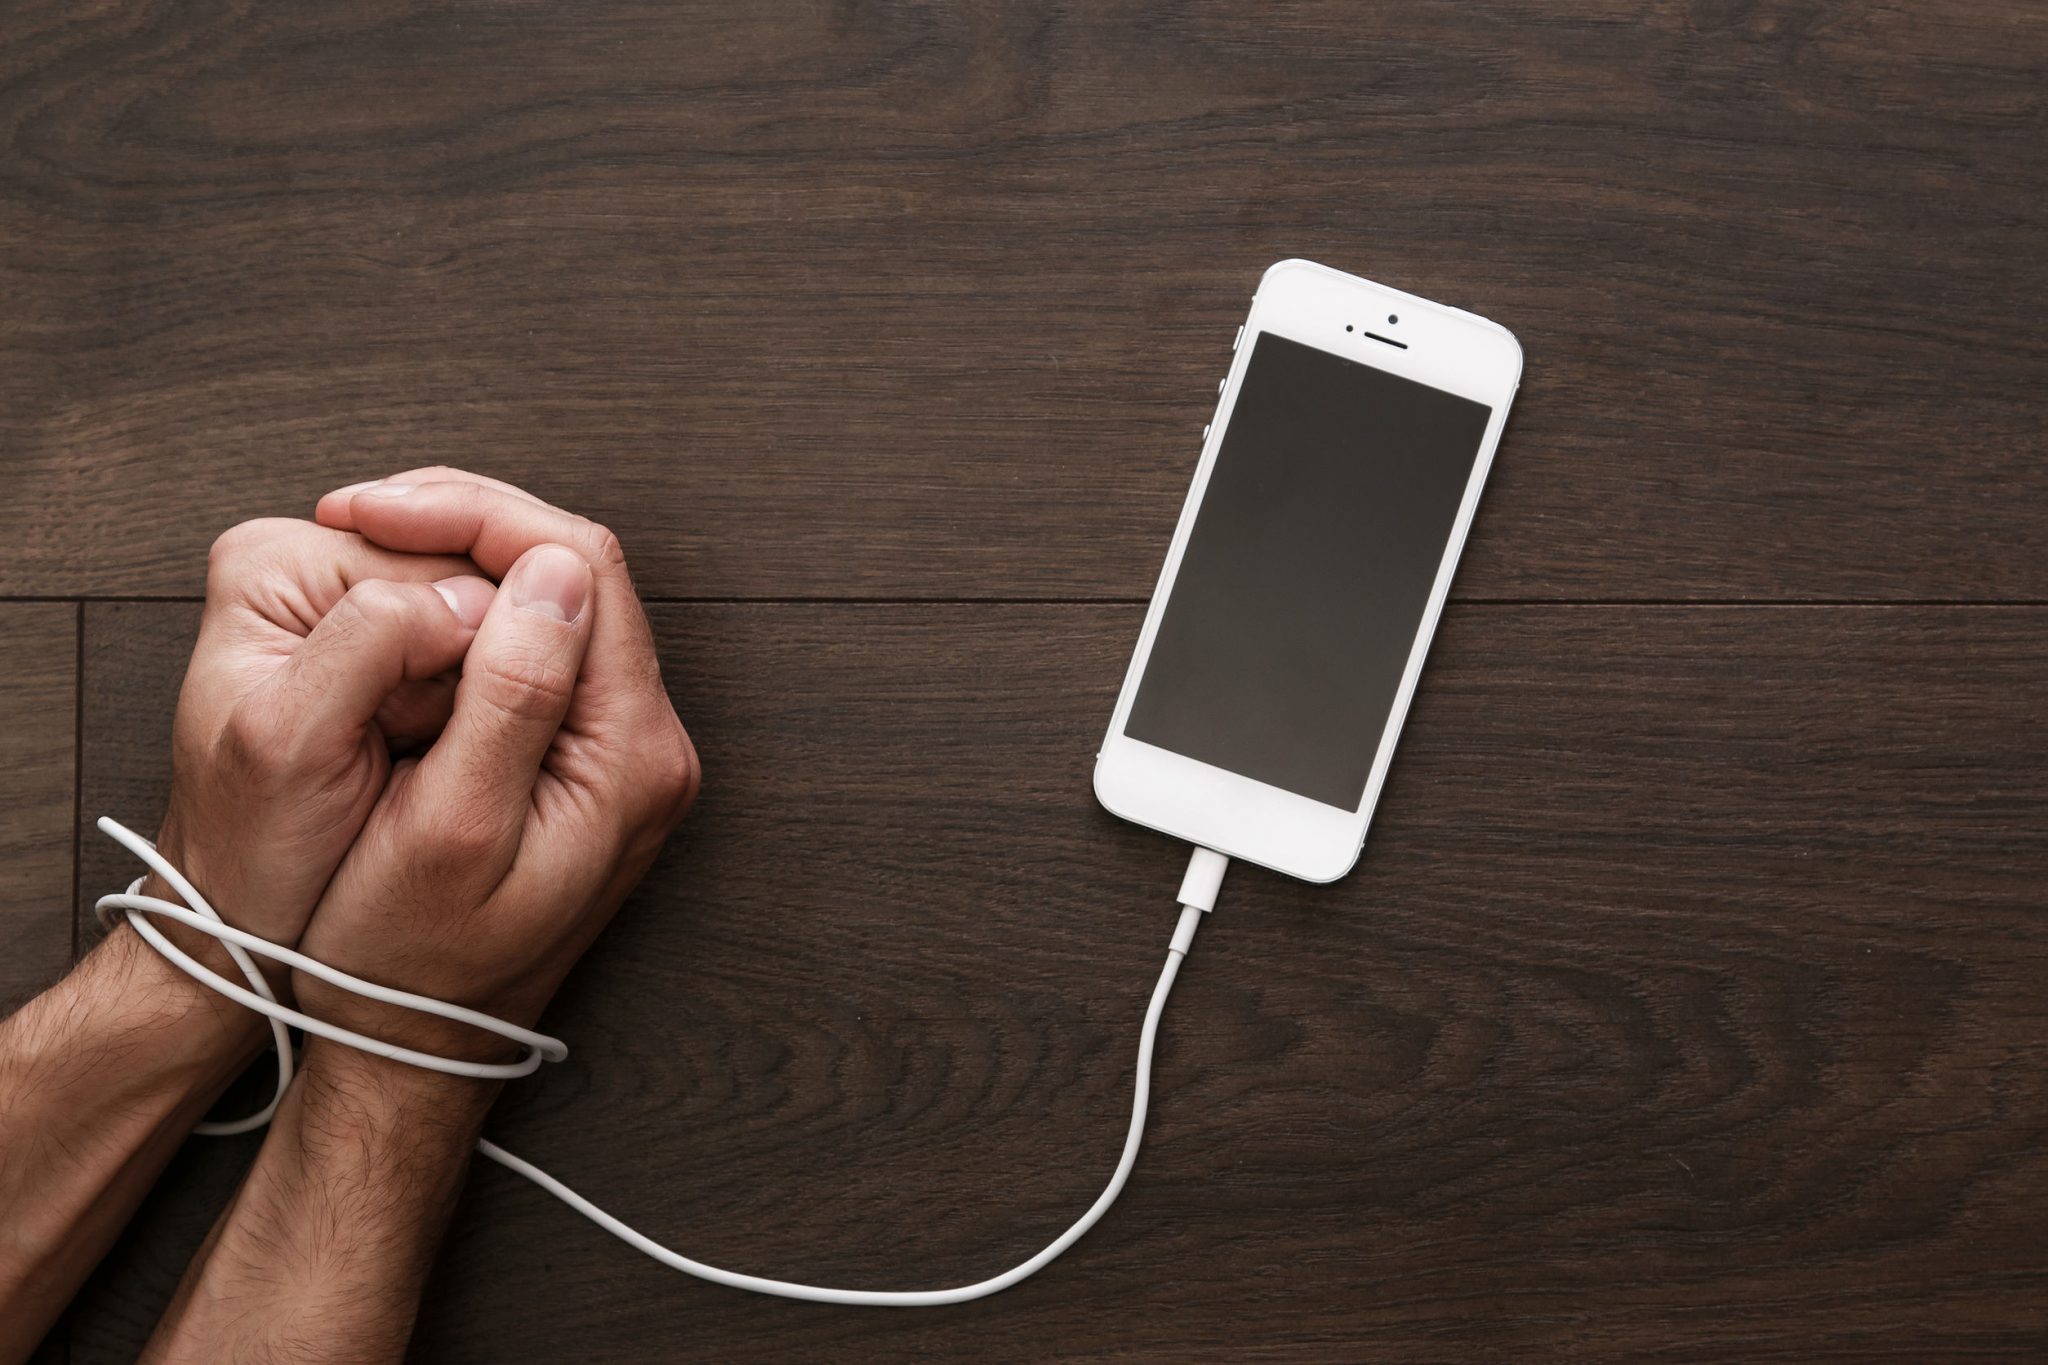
552 581
387 490
468 598
354 488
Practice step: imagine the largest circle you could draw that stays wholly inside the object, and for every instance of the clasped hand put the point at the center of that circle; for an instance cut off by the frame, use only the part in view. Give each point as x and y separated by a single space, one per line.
409 774
423 738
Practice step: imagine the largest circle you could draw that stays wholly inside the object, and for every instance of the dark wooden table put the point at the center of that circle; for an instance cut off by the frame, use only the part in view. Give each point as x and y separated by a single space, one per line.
1688 1002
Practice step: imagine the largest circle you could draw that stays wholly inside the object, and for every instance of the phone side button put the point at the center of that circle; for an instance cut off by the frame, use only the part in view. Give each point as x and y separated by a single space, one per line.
1239 338
1221 382
1205 432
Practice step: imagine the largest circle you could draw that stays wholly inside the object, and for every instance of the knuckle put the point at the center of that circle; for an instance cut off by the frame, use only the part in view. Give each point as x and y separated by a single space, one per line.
674 773
239 542
524 685
381 595
459 840
254 745
602 545
370 601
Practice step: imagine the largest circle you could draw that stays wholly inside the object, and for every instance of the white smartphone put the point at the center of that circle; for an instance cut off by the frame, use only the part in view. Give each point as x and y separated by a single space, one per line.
1336 484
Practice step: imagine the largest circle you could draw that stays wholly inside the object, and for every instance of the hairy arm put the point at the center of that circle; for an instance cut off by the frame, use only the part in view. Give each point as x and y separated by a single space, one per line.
487 866
101 1077
325 1249
314 651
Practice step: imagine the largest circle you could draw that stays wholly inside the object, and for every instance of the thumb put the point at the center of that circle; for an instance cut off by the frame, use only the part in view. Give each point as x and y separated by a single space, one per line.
517 680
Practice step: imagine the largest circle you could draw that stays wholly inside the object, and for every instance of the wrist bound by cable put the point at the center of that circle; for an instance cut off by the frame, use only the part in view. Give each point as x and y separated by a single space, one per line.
258 995
1197 897
390 1097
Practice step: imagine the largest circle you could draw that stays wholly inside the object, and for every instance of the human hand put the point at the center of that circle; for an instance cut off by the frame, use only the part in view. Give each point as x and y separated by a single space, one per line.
316 649
316 652
492 861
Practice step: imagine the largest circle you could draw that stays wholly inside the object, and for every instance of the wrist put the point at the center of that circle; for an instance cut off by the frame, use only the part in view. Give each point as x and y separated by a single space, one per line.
403 1027
150 1047
182 1032
386 1101
222 892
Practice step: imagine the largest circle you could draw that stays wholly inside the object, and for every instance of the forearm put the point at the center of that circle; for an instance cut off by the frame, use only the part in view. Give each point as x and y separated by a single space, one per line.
323 1252
101 1078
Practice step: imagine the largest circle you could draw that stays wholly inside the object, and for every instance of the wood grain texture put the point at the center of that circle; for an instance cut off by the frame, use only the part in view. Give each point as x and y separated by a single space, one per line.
38 733
917 300
1686 1006
38 741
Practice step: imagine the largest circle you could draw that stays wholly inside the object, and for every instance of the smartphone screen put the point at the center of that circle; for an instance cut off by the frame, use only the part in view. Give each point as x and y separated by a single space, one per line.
1307 571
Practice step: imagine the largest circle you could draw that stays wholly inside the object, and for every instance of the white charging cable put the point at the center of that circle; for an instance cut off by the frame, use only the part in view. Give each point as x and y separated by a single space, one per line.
1197 897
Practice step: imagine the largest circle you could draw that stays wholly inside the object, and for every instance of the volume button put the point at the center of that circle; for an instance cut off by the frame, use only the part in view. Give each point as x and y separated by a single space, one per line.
1234 341
1221 382
1205 432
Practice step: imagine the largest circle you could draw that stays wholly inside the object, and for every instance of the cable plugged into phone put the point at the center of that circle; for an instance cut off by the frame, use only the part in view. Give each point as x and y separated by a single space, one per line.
1198 890
1204 879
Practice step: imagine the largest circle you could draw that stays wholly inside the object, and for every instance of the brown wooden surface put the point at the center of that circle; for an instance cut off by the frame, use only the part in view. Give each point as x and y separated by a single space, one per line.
1688 1003
38 743
38 738
927 300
